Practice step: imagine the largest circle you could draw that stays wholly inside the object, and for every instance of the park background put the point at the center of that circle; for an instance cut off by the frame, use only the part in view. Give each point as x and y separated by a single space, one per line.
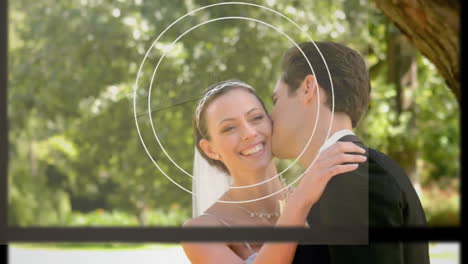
75 156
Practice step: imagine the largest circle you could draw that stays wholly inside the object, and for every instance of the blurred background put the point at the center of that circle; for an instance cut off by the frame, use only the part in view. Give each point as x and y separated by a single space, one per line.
440 253
75 155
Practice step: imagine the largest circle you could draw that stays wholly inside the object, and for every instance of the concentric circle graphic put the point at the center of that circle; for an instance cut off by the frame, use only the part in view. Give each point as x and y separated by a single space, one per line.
170 47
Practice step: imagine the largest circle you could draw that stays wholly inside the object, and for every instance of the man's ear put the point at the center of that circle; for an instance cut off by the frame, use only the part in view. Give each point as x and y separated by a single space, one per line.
310 87
206 146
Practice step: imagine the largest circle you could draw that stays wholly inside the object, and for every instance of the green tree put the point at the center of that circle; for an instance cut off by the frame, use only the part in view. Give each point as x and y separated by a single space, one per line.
73 64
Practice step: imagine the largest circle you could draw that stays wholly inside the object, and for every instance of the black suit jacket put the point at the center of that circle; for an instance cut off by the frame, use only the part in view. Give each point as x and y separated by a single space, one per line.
377 194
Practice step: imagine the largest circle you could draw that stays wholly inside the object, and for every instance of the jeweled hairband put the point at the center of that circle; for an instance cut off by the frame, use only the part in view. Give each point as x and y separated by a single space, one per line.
213 91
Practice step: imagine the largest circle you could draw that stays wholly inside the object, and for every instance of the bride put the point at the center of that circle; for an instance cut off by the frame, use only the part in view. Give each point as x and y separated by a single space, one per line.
232 134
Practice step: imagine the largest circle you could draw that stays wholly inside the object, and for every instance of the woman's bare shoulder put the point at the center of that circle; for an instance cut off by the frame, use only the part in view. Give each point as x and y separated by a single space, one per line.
203 220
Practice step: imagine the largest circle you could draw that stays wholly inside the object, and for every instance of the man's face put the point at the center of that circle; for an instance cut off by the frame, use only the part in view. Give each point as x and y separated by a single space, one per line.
288 118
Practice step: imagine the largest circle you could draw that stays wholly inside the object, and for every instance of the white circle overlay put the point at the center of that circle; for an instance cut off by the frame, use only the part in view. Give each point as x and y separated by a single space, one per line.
203 23
169 49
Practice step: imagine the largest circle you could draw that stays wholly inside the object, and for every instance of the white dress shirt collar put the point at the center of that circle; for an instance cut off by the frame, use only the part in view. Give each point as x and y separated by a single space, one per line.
335 137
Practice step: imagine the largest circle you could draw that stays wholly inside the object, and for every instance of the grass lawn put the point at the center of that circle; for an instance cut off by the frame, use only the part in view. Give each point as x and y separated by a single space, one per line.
447 252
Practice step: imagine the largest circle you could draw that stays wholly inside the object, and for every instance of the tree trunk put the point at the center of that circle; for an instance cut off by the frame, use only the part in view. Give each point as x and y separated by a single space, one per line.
402 73
433 27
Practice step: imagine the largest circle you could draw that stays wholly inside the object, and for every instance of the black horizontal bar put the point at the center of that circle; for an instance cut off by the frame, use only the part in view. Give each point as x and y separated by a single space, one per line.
176 234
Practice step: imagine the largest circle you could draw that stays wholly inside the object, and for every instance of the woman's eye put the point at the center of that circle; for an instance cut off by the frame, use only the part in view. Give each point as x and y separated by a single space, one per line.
227 129
259 117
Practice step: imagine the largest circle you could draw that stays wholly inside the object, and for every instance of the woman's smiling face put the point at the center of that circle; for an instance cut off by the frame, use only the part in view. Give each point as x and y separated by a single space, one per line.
240 131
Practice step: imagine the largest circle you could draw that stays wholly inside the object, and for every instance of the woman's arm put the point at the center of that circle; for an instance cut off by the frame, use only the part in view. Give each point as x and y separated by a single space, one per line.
210 253
307 193
294 214
207 253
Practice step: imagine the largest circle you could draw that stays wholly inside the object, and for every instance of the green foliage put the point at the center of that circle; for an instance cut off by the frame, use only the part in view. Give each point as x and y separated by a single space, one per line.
442 203
100 217
173 217
74 147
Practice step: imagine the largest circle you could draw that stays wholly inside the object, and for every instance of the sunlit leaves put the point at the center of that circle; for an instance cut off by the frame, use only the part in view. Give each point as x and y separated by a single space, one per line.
72 69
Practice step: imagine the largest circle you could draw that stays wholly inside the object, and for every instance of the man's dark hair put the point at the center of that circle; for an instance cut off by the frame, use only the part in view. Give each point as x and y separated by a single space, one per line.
348 71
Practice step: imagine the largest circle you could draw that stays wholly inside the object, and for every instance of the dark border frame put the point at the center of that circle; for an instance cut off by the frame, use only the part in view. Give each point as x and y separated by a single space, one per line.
136 235
178 234
3 120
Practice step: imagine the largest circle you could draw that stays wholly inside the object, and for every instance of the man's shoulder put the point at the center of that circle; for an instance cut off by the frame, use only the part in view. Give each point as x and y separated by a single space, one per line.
388 183
379 164
385 169
391 184
384 161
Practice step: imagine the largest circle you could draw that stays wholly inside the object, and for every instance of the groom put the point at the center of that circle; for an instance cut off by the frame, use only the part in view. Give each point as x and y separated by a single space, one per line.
378 194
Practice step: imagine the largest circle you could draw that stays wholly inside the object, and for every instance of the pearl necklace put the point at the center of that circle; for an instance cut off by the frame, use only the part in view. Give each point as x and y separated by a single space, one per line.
267 215
259 214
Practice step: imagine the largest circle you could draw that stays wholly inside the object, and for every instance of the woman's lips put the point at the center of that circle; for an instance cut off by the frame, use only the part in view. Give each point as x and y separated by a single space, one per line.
254 150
